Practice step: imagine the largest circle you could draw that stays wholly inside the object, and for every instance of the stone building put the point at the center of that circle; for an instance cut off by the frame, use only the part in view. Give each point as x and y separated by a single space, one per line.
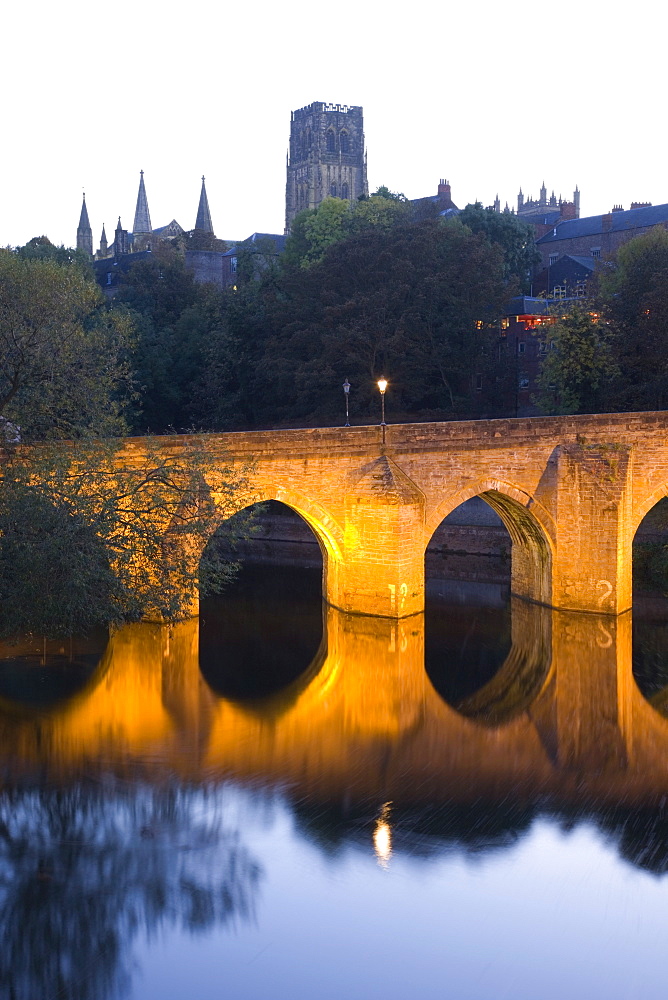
599 236
326 158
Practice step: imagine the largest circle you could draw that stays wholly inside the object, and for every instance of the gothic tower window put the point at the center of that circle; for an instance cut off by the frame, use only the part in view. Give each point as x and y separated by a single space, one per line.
344 190
331 141
332 190
345 142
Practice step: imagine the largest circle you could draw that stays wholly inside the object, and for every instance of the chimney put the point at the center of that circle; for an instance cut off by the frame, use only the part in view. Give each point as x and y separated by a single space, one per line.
606 222
641 204
567 210
444 190
617 208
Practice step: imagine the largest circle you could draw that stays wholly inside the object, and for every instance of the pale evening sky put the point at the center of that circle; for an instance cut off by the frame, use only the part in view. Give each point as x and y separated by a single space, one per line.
490 97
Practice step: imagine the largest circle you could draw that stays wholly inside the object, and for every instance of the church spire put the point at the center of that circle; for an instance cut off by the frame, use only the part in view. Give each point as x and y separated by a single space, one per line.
142 218
203 223
84 232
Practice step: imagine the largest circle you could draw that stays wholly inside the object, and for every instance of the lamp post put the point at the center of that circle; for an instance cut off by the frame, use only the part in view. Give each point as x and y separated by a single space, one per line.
382 385
346 391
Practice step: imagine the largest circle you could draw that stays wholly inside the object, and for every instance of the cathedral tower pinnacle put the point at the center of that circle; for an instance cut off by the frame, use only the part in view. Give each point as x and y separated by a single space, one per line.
142 224
203 222
84 232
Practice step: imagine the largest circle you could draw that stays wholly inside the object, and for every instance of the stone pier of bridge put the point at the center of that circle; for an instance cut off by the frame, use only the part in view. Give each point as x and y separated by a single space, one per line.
570 490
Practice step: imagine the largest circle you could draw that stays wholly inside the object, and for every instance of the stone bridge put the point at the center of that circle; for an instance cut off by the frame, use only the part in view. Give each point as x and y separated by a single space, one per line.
570 490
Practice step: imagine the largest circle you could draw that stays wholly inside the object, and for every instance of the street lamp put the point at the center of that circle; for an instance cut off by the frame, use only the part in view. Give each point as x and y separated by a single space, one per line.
382 385
346 391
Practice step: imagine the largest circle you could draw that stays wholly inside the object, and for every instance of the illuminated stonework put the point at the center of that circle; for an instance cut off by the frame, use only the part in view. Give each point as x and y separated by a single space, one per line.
570 490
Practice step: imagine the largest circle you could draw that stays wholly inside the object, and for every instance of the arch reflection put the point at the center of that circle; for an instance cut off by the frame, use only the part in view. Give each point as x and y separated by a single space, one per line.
38 674
489 663
263 636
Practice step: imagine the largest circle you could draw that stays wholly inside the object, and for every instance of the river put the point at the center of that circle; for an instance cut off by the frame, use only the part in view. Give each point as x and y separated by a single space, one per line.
284 801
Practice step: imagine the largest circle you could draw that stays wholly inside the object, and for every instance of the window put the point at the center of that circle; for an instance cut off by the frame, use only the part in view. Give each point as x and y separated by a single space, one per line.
581 290
596 253
559 292
554 257
344 139
108 277
233 264
478 383
332 190
344 191
331 142
521 347
523 383
542 347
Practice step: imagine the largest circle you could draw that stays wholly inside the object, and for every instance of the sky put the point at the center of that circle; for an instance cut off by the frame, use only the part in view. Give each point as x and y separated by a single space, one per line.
490 98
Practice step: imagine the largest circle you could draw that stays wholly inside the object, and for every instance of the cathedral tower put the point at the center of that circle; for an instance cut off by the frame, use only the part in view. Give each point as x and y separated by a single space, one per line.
326 159
84 232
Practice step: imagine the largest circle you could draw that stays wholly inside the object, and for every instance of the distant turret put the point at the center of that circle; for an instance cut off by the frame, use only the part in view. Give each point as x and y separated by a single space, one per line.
121 241
576 202
84 232
104 249
203 222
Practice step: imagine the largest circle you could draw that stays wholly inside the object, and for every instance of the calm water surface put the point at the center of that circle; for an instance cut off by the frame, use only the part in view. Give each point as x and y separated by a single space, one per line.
284 801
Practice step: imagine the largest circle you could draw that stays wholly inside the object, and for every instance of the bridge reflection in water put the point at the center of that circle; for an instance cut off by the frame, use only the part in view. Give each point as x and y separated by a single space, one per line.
561 720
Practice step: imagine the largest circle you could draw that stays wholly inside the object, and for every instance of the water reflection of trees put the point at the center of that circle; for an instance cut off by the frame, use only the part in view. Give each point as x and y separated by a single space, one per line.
472 828
641 836
83 870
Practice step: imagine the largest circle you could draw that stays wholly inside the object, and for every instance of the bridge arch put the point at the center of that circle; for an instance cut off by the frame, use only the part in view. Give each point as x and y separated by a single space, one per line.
324 526
529 525
643 507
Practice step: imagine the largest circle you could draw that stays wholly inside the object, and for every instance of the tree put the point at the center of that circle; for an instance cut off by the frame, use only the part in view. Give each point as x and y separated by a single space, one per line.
64 358
92 534
633 295
41 248
89 533
579 366
384 192
316 230
412 303
516 239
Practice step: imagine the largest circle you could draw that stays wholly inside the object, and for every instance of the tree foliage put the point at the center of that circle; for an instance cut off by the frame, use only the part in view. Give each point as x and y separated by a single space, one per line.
64 358
516 239
92 534
412 302
314 231
633 294
579 368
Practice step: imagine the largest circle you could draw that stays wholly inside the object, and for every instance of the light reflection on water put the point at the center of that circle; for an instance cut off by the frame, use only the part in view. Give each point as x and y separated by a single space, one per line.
368 818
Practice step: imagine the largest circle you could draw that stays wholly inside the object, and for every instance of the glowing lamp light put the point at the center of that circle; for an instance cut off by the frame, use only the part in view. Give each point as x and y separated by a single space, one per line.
382 385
